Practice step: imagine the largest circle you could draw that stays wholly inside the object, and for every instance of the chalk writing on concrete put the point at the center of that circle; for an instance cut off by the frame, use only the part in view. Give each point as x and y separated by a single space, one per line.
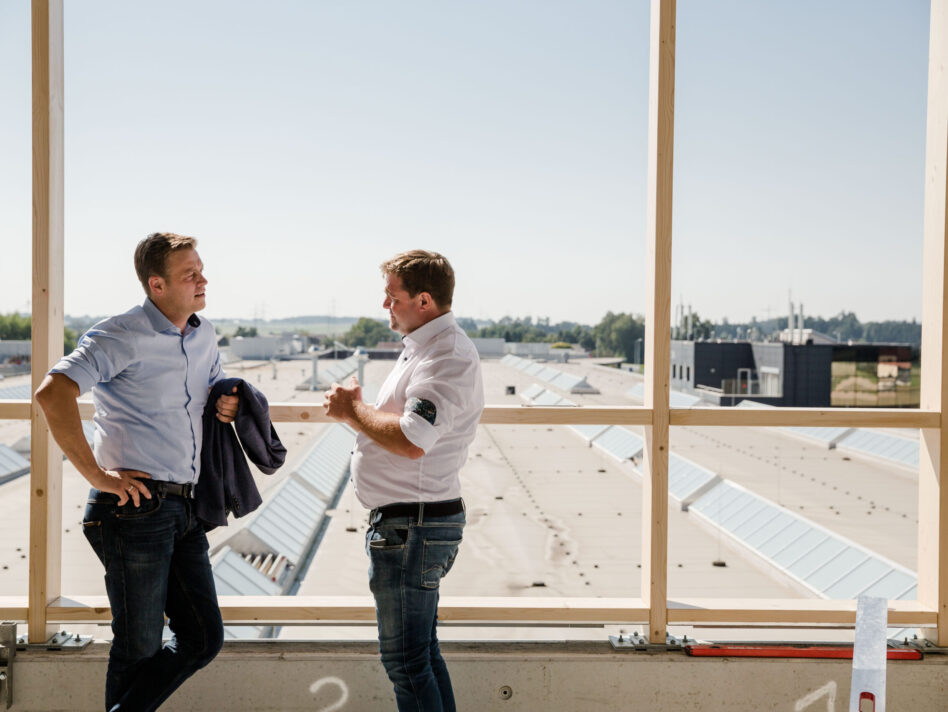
343 692
828 691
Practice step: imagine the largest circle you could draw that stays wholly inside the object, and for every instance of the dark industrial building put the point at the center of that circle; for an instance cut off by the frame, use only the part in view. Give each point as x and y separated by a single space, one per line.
800 375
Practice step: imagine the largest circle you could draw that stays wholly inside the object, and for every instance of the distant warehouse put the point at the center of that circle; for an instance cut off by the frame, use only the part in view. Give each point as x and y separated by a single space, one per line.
796 375
264 348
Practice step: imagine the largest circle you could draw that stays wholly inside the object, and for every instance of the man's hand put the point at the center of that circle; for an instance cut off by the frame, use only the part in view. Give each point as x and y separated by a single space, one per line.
344 403
227 407
124 483
341 401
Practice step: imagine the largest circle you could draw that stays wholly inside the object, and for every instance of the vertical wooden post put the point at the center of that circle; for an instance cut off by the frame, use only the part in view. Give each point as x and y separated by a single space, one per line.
932 487
46 465
661 120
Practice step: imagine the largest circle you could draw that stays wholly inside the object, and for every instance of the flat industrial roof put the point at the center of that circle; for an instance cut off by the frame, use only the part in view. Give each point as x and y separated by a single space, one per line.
546 508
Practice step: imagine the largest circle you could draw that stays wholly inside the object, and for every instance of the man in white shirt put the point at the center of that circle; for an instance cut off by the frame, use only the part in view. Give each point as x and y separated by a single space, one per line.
410 448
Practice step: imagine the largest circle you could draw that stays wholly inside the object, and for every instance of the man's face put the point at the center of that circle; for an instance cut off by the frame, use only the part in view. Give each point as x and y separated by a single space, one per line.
404 312
181 292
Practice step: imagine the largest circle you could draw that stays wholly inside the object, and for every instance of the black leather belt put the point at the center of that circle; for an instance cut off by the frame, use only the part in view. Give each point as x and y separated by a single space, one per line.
421 510
173 488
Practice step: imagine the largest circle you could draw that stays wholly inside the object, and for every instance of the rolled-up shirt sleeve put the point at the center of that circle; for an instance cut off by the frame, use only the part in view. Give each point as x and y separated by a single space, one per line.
98 358
435 396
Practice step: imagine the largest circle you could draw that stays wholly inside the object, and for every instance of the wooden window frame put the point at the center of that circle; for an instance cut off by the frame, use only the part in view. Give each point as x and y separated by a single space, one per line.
45 606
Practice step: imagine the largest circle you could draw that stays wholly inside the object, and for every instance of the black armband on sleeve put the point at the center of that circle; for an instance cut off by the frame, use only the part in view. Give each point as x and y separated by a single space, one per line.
425 408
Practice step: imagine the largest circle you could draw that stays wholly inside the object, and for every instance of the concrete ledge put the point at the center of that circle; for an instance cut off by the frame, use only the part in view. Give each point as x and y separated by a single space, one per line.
542 677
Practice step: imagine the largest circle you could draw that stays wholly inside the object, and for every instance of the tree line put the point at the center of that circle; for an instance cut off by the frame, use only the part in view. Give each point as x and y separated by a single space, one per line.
18 327
844 327
615 334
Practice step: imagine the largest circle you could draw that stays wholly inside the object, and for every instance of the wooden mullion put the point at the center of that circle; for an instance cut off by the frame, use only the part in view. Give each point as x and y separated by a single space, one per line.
658 314
47 319
932 487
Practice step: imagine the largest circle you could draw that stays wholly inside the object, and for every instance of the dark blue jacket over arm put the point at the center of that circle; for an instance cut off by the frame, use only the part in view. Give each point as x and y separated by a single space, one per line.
225 484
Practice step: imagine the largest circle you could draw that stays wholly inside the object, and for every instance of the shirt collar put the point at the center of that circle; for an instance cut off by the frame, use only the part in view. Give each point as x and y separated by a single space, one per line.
426 332
161 323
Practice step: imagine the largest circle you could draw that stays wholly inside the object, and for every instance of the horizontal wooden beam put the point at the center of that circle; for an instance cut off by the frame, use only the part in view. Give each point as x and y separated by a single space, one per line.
542 610
15 410
788 610
492 415
498 414
348 609
807 417
614 415
510 610
13 608
569 415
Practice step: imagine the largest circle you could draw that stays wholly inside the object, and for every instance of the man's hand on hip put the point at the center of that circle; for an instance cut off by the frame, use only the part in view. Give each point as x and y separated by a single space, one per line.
124 483
227 407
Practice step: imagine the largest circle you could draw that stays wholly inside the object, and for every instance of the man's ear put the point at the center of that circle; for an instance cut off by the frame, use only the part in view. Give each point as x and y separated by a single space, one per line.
425 301
156 284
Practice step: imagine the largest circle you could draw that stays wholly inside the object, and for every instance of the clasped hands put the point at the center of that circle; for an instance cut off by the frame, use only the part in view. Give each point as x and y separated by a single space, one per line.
340 401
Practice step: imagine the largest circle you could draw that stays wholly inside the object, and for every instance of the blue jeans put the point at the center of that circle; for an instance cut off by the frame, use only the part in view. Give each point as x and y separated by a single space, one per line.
407 559
156 563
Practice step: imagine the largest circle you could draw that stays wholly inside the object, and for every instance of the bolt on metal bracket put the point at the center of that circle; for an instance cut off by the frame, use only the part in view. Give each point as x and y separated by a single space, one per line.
63 640
7 654
922 644
639 643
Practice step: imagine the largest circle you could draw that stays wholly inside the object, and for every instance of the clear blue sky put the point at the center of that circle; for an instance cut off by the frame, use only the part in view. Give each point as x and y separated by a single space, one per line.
303 142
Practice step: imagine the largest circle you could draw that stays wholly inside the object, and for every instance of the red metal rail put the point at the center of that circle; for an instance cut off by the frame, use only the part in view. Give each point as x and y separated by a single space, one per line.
789 651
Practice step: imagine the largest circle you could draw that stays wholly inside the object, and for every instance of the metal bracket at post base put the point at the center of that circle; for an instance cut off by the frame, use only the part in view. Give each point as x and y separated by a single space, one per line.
63 640
923 644
639 643
9 644
7 654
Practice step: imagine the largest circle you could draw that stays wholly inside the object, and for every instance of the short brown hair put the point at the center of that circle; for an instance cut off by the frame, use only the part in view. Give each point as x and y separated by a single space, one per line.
423 271
151 255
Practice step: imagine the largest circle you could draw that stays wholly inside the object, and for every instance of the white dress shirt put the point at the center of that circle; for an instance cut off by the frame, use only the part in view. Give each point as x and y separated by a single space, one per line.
439 365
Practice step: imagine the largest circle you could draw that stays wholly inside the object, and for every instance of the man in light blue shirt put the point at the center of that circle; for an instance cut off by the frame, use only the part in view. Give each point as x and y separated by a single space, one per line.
150 383
150 371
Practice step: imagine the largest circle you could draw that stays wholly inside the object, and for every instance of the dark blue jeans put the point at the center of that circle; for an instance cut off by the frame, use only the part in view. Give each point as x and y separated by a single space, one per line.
156 563
407 559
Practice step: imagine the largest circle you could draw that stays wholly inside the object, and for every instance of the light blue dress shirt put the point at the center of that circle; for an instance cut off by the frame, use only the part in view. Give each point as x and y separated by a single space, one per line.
149 383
